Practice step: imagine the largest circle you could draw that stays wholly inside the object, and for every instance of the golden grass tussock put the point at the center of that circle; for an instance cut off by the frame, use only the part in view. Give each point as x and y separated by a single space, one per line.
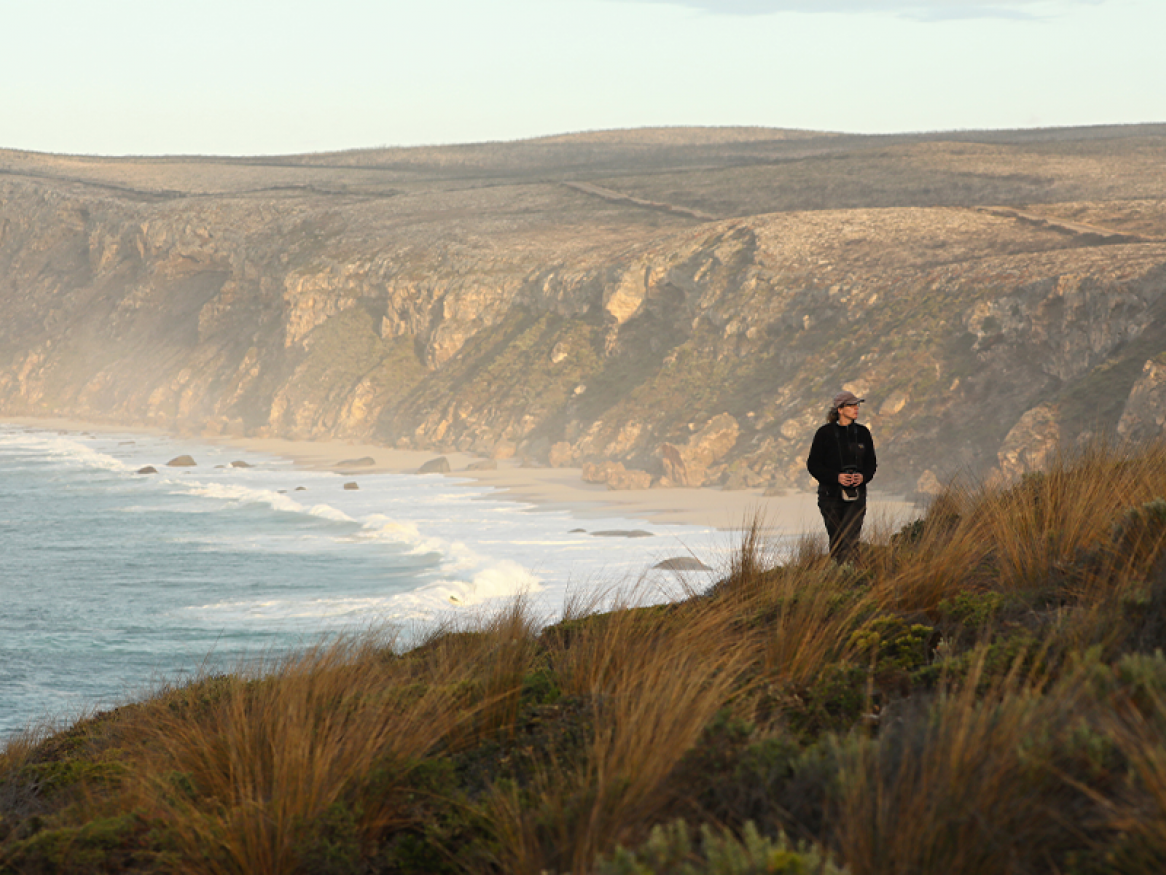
237 770
1020 537
655 678
983 691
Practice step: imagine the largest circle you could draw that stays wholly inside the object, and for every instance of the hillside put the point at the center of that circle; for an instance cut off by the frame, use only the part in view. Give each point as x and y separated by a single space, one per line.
985 692
682 301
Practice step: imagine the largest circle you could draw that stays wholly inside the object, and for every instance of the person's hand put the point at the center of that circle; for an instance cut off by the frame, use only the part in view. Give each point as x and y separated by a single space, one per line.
852 478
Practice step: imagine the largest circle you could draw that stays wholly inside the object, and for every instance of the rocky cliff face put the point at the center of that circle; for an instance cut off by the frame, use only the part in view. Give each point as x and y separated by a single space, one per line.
523 316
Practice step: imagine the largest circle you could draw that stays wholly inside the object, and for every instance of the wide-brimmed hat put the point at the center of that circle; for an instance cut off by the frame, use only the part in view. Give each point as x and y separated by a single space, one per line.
844 398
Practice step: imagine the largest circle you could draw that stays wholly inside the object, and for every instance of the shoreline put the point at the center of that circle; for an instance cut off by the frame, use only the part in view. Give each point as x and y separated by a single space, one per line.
794 513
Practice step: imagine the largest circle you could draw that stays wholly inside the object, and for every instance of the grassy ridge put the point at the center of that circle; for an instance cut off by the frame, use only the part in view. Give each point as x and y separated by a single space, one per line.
985 693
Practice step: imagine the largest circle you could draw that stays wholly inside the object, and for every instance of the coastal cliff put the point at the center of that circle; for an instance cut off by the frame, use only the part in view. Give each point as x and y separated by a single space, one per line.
679 307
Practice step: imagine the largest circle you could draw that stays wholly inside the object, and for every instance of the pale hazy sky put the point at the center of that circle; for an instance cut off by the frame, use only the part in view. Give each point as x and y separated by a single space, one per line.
281 76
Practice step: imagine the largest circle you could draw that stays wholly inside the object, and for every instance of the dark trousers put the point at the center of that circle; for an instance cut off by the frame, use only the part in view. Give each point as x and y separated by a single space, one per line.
843 525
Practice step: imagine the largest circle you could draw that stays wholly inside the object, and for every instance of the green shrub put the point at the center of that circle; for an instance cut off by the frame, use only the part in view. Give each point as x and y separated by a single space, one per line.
890 643
674 849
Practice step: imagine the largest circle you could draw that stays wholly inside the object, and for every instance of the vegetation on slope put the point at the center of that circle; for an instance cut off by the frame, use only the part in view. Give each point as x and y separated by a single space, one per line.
986 692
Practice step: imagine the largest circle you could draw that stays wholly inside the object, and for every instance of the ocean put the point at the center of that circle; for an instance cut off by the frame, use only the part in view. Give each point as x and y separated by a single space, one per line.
114 582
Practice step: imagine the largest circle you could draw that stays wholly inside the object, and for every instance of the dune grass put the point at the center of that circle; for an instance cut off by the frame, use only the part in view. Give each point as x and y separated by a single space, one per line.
985 691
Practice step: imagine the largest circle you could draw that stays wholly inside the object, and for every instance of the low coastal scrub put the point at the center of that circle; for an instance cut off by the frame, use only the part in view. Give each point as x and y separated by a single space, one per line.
985 691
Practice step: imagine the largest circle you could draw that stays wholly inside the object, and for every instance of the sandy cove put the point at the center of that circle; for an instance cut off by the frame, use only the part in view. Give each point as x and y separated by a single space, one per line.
549 488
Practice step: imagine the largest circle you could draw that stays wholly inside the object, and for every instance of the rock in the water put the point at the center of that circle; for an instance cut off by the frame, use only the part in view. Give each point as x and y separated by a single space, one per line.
622 533
362 462
149 469
182 462
440 465
301 489
351 484
574 531
240 464
682 563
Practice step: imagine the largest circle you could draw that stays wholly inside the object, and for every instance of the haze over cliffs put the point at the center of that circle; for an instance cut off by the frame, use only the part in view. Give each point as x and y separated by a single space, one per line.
680 301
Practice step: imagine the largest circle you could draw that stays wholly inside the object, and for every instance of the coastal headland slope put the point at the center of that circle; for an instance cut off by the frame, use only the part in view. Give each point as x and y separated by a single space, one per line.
662 306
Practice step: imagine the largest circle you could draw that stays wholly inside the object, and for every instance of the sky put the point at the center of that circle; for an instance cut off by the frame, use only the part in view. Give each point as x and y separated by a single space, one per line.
250 77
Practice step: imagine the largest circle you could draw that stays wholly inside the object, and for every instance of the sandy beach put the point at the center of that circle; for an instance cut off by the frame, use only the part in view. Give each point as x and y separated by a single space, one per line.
551 488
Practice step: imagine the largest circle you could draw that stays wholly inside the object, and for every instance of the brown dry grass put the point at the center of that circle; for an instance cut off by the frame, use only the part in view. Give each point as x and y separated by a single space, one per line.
803 696
264 758
657 677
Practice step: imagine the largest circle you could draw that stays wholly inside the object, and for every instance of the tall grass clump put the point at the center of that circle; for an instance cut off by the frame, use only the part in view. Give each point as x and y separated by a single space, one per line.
1052 534
984 690
238 772
652 679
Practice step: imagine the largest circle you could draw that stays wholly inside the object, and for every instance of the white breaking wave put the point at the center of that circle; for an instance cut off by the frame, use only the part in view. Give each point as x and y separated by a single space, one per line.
504 580
64 449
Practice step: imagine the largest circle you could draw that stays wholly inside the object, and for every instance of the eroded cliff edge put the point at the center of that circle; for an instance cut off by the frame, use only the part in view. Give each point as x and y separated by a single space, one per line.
678 309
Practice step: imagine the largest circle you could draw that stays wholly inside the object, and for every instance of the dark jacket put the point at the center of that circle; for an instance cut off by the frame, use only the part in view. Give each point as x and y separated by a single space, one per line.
836 447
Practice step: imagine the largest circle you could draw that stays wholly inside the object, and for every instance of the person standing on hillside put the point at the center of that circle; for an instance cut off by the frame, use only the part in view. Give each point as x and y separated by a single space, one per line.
842 460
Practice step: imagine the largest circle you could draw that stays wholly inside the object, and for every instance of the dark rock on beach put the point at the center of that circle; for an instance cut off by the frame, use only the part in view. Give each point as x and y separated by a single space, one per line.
682 563
362 462
440 465
622 533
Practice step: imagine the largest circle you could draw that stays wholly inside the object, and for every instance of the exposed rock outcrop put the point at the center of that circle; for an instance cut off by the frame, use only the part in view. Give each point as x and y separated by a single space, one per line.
629 479
616 476
1031 442
693 464
1144 415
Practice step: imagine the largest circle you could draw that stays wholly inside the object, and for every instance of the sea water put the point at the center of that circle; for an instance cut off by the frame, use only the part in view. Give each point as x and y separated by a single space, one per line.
113 582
